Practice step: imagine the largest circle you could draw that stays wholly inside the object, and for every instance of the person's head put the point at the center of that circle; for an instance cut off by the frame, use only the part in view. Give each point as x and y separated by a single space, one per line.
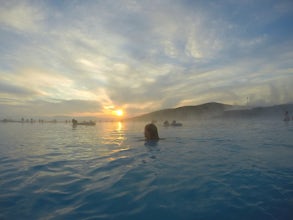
151 132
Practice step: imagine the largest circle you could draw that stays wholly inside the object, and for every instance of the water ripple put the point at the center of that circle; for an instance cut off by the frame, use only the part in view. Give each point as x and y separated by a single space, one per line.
205 172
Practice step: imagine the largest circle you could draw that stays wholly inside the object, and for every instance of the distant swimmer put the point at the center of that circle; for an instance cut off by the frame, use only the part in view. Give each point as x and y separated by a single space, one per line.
151 132
74 122
174 123
166 123
286 116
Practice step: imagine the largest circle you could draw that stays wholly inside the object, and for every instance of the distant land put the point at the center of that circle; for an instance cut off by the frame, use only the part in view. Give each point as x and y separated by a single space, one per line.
210 110
214 110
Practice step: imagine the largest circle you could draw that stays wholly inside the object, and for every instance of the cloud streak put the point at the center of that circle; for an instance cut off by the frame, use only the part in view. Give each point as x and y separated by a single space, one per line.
142 56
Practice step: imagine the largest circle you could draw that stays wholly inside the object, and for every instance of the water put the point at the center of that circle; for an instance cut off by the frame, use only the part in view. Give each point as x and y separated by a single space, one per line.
203 170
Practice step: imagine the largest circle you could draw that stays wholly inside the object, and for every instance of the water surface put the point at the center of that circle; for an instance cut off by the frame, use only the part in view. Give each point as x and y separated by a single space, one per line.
240 169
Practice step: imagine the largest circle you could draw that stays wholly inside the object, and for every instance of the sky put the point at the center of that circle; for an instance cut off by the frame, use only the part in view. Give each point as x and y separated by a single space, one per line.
91 58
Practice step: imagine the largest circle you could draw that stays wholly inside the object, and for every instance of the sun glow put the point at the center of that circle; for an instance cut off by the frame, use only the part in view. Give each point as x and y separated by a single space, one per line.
119 112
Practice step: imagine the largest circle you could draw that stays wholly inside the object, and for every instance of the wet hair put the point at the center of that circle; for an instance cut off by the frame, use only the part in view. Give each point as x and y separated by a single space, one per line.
151 132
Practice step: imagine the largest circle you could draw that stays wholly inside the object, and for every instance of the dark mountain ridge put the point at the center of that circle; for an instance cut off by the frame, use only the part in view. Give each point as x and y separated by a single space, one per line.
276 111
214 110
185 112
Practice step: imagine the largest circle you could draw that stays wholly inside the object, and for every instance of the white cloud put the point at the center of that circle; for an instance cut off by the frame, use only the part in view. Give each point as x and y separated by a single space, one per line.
20 15
142 54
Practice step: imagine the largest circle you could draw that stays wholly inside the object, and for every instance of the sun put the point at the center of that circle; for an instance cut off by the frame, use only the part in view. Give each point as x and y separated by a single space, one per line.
119 112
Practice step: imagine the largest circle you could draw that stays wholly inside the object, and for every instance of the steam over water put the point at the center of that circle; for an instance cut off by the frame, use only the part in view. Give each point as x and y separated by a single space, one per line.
240 169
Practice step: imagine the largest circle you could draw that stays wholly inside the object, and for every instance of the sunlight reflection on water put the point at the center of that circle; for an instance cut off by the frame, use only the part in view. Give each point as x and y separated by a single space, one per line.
199 170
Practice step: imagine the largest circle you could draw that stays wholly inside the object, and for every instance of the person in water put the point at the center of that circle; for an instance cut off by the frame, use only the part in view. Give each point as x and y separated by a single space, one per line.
151 132
286 116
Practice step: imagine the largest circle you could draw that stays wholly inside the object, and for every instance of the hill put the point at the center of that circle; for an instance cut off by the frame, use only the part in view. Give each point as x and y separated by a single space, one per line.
207 110
214 110
270 111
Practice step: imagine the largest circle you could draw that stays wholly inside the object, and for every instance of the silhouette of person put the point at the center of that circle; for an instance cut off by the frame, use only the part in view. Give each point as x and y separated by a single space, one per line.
151 132
166 123
286 116
74 122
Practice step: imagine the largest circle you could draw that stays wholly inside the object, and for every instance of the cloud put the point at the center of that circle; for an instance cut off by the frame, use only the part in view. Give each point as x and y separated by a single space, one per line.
9 88
67 107
53 108
20 15
144 55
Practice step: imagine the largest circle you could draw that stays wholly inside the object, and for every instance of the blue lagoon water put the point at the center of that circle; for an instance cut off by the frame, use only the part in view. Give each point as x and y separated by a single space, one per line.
240 169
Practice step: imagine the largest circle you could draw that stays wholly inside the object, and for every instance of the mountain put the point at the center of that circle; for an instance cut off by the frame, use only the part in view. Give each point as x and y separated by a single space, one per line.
207 110
270 111
214 110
